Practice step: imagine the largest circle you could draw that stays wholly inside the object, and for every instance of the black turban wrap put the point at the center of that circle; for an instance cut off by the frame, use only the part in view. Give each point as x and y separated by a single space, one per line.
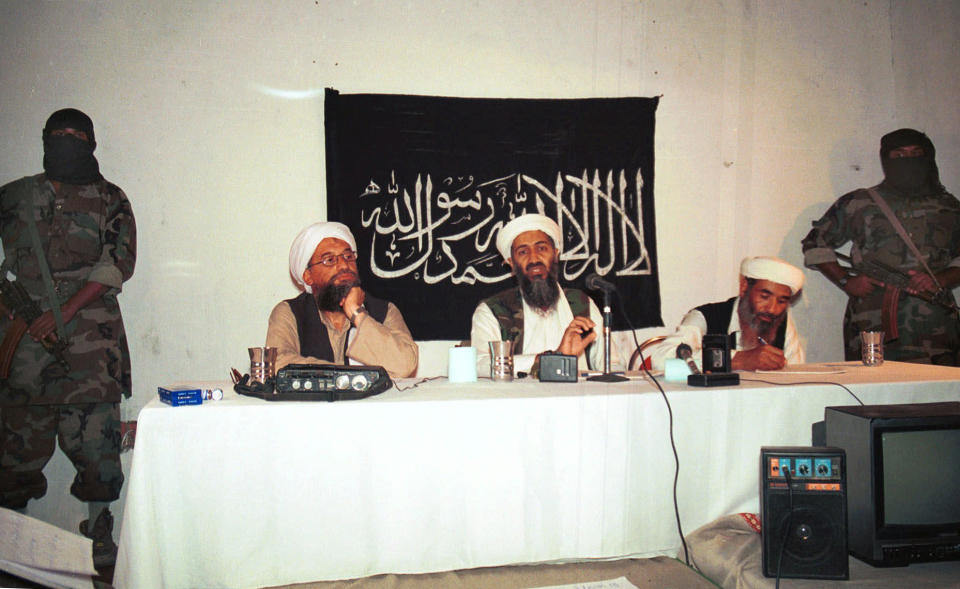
68 158
911 176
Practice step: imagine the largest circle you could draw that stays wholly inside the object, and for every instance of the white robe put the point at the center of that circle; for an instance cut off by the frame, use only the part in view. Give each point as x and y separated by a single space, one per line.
541 333
694 325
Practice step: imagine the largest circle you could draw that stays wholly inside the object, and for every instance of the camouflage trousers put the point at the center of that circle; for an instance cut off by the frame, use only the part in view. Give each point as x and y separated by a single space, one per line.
89 434
928 333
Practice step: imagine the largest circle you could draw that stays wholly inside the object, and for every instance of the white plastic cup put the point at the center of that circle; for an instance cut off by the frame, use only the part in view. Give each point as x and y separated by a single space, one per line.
675 370
462 364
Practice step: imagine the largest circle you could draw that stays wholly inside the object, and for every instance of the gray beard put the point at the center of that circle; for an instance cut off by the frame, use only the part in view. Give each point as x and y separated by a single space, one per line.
541 294
764 328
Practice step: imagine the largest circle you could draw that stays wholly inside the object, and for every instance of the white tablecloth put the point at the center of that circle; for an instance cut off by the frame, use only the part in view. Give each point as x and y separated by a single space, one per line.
246 493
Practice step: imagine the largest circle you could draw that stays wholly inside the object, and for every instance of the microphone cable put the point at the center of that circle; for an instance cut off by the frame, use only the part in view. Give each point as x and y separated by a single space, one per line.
820 382
418 383
673 445
786 530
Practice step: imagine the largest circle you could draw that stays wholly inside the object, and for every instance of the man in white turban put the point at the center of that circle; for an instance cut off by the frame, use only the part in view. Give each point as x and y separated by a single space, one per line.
334 321
767 337
537 315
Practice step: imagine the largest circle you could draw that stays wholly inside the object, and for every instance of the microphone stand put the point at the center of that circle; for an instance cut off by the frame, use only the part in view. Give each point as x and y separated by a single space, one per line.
607 322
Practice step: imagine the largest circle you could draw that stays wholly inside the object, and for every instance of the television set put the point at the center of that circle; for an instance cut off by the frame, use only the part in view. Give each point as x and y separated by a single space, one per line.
903 480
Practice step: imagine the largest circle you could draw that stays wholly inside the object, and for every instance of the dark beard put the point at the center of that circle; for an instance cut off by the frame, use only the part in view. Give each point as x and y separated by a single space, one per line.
765 324
540 293
329 297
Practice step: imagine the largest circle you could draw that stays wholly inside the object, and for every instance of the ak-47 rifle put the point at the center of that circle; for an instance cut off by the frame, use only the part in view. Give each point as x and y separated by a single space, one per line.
895 278
25 311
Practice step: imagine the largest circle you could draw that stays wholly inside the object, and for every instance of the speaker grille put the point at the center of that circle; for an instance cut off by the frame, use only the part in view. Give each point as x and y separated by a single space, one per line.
813 535
817 539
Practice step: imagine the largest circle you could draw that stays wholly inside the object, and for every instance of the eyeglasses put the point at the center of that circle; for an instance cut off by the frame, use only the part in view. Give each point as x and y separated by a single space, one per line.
331 259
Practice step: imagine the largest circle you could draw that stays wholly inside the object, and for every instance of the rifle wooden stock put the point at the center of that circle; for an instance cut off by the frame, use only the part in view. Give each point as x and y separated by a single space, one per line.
15 299
891 298
11 340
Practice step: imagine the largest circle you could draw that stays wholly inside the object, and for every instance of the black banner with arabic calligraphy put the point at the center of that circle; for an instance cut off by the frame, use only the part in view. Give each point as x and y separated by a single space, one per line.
426 182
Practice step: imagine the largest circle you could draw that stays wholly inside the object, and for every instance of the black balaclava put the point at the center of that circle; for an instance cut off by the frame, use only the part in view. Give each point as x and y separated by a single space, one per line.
67 158
910 176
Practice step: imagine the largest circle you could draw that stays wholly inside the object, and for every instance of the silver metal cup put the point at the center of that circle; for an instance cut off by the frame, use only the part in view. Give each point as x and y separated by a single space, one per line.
263 362
871 348
501 361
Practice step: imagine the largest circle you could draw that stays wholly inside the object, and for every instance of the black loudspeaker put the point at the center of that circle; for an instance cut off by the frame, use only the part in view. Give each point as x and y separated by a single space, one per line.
804 523
558 368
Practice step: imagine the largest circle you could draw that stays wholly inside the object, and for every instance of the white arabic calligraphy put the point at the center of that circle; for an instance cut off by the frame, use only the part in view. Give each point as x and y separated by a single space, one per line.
435 236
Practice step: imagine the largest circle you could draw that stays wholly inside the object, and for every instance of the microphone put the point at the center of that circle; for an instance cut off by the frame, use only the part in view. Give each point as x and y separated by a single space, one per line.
594 282
685 353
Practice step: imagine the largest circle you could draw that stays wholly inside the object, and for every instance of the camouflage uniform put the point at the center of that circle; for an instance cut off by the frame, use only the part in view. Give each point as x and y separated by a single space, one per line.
89 235
928 333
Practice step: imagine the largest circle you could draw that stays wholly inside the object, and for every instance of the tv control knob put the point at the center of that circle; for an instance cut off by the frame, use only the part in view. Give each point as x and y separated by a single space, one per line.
803 469
295 385
823 470
308 384
343 382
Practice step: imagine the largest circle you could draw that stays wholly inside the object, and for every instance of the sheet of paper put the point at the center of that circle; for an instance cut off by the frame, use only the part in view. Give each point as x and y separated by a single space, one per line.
618 583
51 555
789 370
51 579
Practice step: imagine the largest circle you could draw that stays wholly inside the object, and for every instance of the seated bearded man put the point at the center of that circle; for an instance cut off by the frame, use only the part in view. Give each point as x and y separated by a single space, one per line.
334 321
767 338
537 315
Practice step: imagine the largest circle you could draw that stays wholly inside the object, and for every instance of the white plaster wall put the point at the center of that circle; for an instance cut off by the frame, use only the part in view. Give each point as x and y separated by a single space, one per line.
210 116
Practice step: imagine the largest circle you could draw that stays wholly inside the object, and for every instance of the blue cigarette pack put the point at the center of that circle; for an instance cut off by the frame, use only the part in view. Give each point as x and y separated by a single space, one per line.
181 395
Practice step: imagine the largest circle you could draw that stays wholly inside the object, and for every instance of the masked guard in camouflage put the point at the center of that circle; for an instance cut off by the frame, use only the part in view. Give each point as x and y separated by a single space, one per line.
537 314
69 239
901 301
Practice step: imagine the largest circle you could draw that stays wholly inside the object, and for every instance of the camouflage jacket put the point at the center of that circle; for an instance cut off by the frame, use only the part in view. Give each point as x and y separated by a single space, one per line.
88 234
933 223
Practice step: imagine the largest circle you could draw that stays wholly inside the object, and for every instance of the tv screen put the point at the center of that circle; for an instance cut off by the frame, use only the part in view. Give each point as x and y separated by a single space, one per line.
921 477
903 480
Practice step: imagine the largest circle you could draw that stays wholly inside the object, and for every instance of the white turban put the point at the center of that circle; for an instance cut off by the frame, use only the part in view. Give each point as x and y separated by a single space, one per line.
522 224
306 243
774 270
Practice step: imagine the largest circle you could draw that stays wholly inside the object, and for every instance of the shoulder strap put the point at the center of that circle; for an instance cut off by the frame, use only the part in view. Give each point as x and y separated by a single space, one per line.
27 210
902 232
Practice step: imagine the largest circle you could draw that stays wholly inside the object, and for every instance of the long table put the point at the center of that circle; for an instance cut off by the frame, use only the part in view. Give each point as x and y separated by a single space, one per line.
433 476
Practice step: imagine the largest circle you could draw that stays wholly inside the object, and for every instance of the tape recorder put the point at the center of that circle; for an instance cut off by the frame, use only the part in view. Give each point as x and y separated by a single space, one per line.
331 382
322 382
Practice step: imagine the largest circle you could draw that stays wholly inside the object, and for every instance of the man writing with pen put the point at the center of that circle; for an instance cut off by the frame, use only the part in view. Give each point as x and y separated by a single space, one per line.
767 337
